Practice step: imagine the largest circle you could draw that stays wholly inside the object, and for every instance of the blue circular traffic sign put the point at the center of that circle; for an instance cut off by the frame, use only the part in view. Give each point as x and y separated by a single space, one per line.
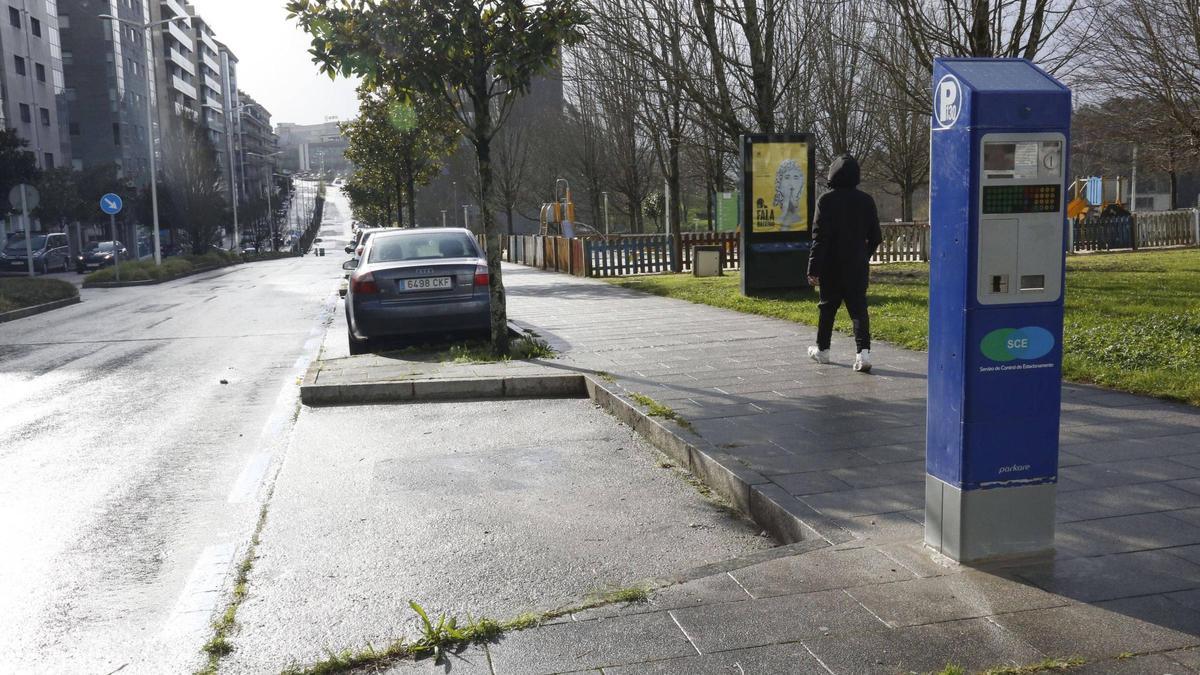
111 204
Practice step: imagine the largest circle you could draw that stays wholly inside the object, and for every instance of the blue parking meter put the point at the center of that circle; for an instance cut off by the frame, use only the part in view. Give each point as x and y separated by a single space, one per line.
1000 130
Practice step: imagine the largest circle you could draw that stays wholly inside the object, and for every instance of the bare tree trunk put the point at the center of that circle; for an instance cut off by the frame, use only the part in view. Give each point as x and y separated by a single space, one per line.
412 201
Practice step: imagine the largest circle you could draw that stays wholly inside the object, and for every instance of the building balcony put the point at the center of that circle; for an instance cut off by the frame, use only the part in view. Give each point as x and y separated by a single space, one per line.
208 60
182 87
173 8
178 58
181 36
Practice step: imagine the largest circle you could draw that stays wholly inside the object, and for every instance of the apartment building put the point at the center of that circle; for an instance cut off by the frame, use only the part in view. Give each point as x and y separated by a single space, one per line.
175 69
211 103
32 86
106 65
258 145
232 111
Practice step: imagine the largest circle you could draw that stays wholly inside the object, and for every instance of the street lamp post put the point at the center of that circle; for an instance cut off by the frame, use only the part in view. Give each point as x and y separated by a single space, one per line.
605 213
150 83
443 217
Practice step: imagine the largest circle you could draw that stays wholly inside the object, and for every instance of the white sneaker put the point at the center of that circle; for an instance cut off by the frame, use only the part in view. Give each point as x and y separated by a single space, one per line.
862 362
818 355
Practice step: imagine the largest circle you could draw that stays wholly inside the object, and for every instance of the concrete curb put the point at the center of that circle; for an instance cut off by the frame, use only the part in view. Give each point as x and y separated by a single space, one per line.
153 282
466 389
786 518
38 309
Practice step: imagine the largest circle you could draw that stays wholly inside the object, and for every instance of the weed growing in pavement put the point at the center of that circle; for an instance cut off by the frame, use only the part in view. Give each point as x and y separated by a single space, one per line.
656 409
219 645
1043 666
522 348
447 635
606 376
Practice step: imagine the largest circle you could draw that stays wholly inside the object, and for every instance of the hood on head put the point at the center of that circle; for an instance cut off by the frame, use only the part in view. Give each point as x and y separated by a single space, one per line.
844 173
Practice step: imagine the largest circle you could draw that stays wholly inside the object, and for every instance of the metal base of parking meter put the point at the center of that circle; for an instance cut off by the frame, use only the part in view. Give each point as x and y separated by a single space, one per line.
981 524
1000 132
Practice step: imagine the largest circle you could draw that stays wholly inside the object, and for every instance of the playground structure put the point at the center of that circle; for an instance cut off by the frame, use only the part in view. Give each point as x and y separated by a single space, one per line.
1098 195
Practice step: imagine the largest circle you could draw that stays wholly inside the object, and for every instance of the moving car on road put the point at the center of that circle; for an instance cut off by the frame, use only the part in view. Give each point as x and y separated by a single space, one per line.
416 282
50 252
100 254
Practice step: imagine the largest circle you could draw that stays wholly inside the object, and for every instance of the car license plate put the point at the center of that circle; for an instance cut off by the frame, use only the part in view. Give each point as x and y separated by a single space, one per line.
425 284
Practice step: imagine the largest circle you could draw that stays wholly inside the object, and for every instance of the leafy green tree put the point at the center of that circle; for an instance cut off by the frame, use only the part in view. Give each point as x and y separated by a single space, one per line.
60 202
17 165
400 144
477 56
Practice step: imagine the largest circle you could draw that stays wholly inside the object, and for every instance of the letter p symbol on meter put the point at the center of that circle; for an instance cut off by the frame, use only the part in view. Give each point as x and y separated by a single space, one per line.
949 101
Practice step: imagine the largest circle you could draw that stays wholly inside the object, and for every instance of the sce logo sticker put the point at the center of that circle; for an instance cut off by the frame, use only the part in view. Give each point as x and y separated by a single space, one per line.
1010 344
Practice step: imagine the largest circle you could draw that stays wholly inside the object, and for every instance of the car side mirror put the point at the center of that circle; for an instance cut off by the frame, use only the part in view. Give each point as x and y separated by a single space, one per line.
350 265
350 249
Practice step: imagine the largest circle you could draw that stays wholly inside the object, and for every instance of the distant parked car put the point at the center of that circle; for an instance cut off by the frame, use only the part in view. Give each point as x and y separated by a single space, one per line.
50 252
417 282
355 248
98 255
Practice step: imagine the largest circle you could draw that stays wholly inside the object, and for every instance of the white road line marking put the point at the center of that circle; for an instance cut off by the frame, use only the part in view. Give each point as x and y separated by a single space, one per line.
202 593
248 482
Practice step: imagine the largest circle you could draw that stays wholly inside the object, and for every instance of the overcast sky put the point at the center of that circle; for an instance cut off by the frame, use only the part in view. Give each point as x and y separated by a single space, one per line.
273 61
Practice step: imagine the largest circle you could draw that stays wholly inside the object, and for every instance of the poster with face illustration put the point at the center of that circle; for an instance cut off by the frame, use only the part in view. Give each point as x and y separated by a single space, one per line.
779 202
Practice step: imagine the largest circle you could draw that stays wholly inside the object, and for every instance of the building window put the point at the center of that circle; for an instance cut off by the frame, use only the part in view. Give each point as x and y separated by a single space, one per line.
74 128
26 115
14 16
35 27
116 134
49 160
64 21
19 62
45 116
68 57
41 72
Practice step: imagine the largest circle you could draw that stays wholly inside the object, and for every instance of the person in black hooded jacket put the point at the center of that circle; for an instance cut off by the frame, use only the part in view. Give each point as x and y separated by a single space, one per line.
845 235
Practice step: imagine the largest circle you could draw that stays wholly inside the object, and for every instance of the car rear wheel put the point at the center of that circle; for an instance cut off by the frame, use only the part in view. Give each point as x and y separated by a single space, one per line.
358 346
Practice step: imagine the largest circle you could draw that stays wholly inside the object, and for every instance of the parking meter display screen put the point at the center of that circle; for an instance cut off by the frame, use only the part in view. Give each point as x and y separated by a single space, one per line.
1001 199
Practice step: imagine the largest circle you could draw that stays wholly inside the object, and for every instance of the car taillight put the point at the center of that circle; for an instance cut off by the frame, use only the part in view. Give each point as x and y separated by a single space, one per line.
481 276
364 285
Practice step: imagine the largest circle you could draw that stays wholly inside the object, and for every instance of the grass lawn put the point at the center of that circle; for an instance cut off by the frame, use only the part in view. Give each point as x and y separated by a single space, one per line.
1132 319
21 292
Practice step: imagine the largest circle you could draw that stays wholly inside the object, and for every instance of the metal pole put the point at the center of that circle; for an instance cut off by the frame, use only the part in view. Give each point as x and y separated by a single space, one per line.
28 233
150 139
605 213
112 221
1133 182
270 214
466 224
443 217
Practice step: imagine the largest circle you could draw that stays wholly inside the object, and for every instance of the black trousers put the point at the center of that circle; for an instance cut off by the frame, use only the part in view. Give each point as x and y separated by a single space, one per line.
855 297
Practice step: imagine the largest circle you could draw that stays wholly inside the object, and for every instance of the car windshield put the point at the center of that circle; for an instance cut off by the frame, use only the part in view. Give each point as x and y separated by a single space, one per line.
101 247
17 244
422 246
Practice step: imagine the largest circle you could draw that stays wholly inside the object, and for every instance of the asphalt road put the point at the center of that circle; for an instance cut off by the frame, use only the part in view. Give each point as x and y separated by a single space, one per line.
139 433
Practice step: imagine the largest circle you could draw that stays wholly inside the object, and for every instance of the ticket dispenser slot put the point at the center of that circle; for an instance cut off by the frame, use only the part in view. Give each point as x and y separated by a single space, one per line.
1020 218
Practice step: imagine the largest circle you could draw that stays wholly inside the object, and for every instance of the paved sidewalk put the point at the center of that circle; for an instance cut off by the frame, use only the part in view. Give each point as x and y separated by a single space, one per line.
844 453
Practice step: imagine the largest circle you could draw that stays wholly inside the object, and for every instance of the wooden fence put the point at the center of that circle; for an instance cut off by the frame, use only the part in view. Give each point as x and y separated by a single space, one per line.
1149 229
1166 228
903 242
625 255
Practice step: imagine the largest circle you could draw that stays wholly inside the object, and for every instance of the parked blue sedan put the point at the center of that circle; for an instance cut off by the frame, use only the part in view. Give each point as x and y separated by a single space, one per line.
417 282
